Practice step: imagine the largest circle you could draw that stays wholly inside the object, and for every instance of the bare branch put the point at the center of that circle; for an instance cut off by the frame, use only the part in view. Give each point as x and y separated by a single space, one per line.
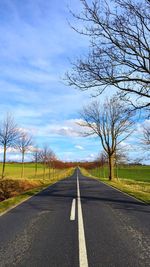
8 136
119 54
111 122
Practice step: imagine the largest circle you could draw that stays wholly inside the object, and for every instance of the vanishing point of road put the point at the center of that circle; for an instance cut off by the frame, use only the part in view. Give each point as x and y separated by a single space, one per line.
77 222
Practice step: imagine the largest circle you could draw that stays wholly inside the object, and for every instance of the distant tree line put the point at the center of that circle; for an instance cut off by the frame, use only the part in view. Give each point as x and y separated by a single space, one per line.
112 122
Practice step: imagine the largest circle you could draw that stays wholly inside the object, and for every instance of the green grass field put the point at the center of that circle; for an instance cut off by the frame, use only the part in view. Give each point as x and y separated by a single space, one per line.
133 180
137 173
13 171
14 189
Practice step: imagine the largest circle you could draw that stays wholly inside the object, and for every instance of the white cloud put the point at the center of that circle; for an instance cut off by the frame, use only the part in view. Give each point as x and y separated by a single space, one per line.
14 157
36 42
25 74
90 157
64 128
79 147
125 145
9 150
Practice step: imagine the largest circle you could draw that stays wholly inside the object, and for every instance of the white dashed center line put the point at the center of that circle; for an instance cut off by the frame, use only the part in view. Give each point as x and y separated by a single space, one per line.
83 261
73 210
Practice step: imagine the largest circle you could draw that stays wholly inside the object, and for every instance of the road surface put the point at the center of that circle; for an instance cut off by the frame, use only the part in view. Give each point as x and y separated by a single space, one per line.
77 222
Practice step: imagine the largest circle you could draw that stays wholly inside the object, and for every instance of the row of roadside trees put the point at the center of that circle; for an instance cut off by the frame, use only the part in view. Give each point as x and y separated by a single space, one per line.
17 139
112 122
11 136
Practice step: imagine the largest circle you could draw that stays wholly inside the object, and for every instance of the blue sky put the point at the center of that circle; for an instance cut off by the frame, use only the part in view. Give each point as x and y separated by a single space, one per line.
36 44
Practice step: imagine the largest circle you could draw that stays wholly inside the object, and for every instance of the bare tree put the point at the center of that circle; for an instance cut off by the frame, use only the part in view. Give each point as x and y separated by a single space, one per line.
46 156
111 122
119 54
145 142
102 159
51 159
121 158
36 158
24 144
8 137
146 136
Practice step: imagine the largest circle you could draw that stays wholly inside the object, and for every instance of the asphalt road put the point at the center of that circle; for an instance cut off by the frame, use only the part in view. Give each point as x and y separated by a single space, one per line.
77 222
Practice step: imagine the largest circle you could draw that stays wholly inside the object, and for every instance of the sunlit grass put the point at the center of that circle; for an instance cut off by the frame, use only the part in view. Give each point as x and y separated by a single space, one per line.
24 188
137 173
140 190
13 170
11 202
138 186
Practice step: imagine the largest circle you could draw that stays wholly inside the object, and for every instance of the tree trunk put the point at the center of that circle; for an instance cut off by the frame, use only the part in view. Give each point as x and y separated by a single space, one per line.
22 171
111 167
117 171
103 171
4 162
49 171
36 169
44 167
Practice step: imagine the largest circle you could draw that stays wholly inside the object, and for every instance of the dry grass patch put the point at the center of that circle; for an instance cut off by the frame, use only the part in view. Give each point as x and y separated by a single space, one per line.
138 189
14 191
11 187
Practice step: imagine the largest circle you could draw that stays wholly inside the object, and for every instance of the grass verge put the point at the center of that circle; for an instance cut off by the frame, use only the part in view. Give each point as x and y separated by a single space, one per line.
137 189
11 202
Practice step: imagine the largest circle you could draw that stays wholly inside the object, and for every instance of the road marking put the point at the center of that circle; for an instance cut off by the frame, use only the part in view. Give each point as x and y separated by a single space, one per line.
83 261
73 210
